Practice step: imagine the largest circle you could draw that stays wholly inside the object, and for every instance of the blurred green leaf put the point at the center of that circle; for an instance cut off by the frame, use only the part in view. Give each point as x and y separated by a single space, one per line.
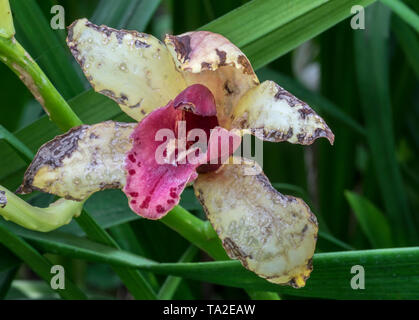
404 12
133 279
408 41
6 278
290 30
142 14
171 284
372 221
31 289
114 14
7 259
37 262
389 273
261 17
18 146
373 81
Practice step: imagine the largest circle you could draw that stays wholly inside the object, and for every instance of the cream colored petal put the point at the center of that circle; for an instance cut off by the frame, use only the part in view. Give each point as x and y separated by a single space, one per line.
80 162
273 114
272 234
134 69
212 60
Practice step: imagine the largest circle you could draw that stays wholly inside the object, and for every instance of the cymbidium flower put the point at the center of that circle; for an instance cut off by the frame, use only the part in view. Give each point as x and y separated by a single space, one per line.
197 80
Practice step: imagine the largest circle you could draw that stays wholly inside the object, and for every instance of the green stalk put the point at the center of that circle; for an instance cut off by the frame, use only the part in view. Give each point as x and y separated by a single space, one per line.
22 64
196 231
22 213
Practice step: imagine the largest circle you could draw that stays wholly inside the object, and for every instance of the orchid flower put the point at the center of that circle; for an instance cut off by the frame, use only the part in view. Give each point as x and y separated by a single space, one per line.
204 80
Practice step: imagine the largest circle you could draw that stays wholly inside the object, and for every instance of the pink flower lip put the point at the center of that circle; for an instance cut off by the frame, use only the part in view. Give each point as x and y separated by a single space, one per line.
159 165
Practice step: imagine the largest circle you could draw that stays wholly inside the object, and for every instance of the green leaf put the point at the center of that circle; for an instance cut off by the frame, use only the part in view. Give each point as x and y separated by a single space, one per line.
373 81
404 12
114 14
261 17
408 41
273 34
133 279
37 262
171 284
389 273
6 278
16 144
7 259
142 14
372 221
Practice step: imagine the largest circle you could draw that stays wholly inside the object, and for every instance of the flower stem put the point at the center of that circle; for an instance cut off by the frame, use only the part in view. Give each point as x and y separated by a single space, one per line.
22 64
20 212
196 231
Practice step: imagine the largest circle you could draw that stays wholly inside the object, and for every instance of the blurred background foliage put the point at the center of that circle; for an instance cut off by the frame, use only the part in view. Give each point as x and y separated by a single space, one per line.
364 83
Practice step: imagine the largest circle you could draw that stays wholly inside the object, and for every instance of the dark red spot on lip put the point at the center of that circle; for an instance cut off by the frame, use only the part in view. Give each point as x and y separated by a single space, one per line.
134 194
133 201
139 164
131 172
145 203
131 158
170 201
160 209
173 194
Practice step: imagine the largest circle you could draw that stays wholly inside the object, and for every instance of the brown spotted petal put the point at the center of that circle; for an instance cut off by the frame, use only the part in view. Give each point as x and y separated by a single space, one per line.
80 162
212 60
273 114
273 235
134 69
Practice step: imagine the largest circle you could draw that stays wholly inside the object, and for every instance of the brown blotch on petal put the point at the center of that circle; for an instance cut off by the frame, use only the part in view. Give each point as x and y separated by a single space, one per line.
182 46
84 160
51 154
222 55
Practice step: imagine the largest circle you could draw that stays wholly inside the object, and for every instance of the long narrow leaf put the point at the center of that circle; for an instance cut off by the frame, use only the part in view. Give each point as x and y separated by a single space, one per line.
389 273
37 262
404 12
372 221
373 81
268 44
